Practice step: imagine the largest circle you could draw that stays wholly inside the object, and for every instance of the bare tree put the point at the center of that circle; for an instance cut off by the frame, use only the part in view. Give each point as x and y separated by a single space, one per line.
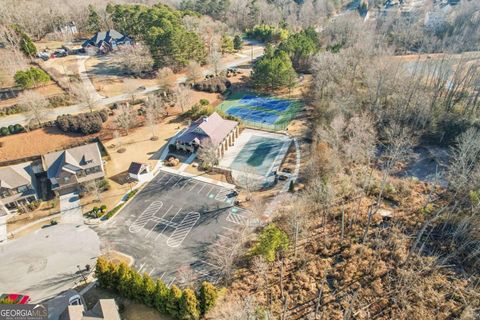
154 109
135 59
215 59
94 188
208 155
184 97
82 94
125 117
166 80
34 104
194 72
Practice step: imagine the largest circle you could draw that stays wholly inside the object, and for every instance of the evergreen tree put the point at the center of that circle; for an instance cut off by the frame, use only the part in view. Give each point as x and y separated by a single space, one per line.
148 291
93 20
207 297
237 42
26 44
227 44
123 276
189 305
30 78
102 270
136 286
270 241
273 70
173 301
160 296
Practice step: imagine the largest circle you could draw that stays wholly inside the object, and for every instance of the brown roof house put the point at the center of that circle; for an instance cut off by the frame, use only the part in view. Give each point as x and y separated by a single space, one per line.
104 309
69 169
17 186
213 129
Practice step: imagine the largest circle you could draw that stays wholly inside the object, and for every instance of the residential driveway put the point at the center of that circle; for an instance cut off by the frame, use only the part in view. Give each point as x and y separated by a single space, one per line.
70 208
173 224
44 263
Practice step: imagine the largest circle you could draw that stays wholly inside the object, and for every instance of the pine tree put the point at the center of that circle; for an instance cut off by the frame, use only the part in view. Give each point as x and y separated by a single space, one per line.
173 301
207 297
93 20
189 305
136 286
274 70
123 276
237 42
160 296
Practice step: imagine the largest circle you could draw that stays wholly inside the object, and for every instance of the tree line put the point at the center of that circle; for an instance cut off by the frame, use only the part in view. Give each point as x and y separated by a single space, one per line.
180 304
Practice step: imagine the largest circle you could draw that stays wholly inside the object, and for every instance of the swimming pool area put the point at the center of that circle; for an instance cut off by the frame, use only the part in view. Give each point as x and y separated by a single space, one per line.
255 157
261 111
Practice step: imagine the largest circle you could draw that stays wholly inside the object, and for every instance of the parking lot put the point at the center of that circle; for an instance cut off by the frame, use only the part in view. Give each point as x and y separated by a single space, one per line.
172 224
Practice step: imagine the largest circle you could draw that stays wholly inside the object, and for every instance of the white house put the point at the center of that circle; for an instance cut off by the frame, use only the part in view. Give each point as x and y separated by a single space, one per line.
140 172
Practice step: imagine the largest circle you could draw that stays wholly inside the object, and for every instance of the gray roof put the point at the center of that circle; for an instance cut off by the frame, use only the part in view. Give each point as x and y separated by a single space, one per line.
137 168
72 160
213 128
105 36
14 176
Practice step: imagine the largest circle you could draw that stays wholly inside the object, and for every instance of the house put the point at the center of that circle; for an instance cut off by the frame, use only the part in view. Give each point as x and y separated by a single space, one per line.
140 172
17 186
213 129
69 169
104 309
106 41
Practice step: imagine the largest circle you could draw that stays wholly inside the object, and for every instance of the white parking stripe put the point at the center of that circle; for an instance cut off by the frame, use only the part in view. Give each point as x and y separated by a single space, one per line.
230 229
203 186
166 226
163 274
147 215
141 267
195 184
171 282
150 273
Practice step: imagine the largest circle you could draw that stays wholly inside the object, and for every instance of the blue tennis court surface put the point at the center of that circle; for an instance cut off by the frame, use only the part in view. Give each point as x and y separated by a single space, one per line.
258 154
261 111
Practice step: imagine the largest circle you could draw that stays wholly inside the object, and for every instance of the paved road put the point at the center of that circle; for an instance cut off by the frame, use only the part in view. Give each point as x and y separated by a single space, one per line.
174 223
44 263
101 102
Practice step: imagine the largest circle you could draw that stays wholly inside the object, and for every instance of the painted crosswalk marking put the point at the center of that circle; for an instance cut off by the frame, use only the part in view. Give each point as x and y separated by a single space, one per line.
147 215
238 216
183 229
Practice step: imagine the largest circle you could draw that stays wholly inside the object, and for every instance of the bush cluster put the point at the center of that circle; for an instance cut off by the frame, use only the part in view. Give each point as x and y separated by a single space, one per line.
10 110
11 129
86 123
112 212
215 84
173 301
267 33
31 77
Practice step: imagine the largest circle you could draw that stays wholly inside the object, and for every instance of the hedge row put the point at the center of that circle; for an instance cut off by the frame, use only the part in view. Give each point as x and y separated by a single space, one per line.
86 123
115 210
11 129
173 301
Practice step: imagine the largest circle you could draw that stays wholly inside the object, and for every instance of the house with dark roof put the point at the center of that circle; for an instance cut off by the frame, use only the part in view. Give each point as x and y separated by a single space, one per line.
221 133
17 186
69 169
105 41
105 309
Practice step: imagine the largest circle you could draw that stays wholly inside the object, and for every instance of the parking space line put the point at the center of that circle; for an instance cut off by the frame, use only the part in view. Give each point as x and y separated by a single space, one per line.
223 236
210 264
203 186
141 267
150 273
230 229
168 181
171 282
163 176
195 184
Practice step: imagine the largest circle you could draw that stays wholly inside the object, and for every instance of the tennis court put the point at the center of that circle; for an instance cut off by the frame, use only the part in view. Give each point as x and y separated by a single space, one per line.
261 111
255 157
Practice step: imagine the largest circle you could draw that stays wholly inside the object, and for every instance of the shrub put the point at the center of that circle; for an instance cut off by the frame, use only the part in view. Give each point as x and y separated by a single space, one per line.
173 301
207 297
215 84
237 42
4 131
31 77
113 211
86 123
204 102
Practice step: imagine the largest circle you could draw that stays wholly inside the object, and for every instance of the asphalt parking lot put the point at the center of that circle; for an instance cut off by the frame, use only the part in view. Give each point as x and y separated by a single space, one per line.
172 223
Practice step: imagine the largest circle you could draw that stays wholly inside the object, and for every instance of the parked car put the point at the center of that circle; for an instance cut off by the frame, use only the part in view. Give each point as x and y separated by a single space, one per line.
60 53
232 194
287 170
282 177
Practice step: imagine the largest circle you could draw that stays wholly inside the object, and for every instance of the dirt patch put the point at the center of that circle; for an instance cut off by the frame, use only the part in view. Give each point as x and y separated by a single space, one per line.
38 142
211 175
